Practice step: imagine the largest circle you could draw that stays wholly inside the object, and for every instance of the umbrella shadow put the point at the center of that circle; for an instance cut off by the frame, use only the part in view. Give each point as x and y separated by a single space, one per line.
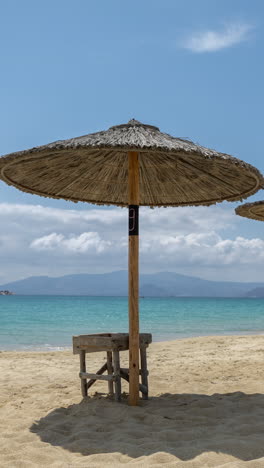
183 425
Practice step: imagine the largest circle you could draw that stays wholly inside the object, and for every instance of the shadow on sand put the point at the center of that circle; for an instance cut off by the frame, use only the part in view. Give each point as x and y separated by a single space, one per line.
185 426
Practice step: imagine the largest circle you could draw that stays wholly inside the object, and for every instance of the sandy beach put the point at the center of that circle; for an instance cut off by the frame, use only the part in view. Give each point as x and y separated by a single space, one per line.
206 409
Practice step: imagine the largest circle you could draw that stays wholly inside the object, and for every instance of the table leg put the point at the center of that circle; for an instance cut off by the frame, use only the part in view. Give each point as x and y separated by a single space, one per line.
116 363
110 372
144 371
83 369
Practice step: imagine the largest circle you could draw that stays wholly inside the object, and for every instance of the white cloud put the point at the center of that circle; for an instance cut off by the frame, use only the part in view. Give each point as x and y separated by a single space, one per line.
202 241
206 249
210 41
85 242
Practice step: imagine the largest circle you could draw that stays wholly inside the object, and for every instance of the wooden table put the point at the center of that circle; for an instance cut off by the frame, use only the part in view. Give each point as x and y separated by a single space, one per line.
112 343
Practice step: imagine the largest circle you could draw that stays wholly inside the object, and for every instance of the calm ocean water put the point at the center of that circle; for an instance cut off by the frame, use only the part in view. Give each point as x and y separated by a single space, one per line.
48 322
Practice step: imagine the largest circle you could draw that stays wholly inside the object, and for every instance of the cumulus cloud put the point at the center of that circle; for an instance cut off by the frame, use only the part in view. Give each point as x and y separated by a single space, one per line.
210 40
203 241
85 242
207 249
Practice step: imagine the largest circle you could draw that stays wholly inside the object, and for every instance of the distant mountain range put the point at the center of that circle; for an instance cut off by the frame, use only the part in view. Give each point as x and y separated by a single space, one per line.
163 284
257 292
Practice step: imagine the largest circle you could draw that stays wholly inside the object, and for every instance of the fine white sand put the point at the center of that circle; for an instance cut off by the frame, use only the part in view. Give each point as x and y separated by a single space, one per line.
206 409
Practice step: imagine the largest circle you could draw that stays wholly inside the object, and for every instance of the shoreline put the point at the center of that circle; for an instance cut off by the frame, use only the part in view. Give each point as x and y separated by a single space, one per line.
61 348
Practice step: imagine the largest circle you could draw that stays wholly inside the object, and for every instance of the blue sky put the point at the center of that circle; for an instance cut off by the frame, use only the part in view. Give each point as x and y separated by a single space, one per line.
194 69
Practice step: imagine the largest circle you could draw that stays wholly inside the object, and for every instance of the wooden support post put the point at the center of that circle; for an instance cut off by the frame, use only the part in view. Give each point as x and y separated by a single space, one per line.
110 372
125 376
83 369
116 364
99 373
144 371
133 200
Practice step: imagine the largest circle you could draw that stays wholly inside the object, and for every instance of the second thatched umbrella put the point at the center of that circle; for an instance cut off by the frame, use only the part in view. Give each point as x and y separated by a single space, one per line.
131 165
251 210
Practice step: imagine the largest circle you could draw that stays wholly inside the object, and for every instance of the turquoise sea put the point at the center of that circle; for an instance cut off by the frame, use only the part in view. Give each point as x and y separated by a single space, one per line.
48 322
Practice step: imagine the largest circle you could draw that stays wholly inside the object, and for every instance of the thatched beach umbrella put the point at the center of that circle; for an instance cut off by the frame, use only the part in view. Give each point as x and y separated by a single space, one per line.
251 210
131 165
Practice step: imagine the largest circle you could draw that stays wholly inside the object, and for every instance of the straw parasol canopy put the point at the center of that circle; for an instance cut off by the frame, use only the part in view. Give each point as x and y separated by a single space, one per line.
131 165
251 210
94 169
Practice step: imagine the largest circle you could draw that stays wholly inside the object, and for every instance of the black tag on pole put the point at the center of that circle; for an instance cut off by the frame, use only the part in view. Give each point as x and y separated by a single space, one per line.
133 220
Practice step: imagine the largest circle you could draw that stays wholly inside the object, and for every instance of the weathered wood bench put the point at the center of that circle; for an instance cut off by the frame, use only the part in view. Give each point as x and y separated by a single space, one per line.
112 343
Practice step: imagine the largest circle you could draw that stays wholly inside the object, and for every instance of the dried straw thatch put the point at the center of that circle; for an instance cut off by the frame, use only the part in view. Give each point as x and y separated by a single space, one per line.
251 210
94 168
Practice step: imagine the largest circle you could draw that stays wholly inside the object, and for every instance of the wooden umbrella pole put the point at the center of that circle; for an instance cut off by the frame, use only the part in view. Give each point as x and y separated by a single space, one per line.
133 200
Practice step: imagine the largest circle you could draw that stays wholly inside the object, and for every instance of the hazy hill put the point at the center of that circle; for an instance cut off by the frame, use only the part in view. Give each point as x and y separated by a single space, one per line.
256 292
115 284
